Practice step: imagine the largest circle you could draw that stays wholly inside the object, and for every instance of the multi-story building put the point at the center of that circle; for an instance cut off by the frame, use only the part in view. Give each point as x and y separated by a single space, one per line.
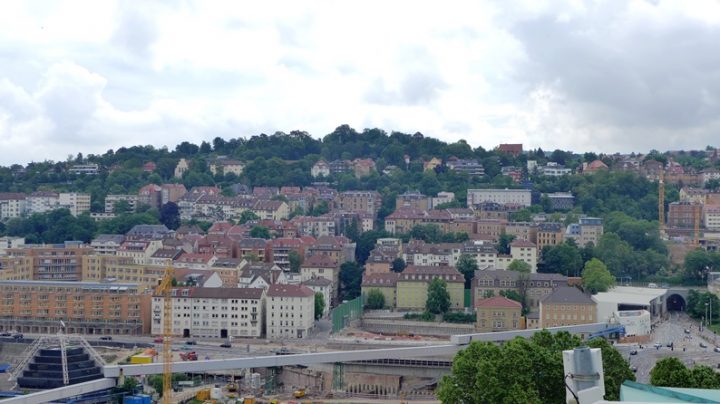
412 200
520 250
498 313
520 197
567 306
471 167
181 167
516 173
485 254
522 231
403 220
561 200
225 166
514 149
85 307
553 169
412 286
171 193
111 200
320 169
319 266
139 250
87 169
325 288
12 205
711 217
683 214
16 268
418 252
251 249
107 244
10 242
386 283
339 248
693 195
535 286
315 226
77 203
587 230
271 209
550 233
278 251
290 311
42 201
59 262
150 195
212 312
442 197
359 201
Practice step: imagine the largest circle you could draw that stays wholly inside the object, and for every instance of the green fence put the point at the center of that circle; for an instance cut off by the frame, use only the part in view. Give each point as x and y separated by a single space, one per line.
345 313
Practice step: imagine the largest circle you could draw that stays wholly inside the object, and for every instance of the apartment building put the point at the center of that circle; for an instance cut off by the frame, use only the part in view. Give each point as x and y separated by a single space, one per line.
84 307
561 200
485 254
711 217
12 205
498 313
587 230
57 262
42 201
226 166
339 248
16 268
107 244
111 200
212 312
359 201
567 306
550 234
139 250
536 286
386 283
87 169
412 200
683 214
413 283
520 197
290 311
418 252
77 203
97 268
522 231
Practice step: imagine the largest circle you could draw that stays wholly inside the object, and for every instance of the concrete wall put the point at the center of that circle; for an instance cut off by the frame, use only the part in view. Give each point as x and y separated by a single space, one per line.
415 327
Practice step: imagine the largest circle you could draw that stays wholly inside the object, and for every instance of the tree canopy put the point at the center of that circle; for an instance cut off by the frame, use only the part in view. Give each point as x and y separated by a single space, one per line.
438 298
596 277
375 299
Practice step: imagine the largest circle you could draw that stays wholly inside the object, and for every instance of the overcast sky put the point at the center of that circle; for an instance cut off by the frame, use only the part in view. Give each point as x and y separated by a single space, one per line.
603 76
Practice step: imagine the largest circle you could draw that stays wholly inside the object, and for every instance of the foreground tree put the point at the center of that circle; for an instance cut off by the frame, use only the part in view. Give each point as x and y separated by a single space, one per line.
596 277
670 372
319 305
467 265
375 299
295 261
350 280
438 298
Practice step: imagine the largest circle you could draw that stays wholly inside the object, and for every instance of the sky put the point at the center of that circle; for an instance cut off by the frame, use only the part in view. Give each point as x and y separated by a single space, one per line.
604 76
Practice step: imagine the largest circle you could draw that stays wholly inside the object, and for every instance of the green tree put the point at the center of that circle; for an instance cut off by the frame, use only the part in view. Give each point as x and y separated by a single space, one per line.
121 207
350 280
563 259
398 265
596 277
438 298
704 377
698 263
519 266
467 265
504 243
260 232
670 372
295 261
247 215
319 305
375 299
170 215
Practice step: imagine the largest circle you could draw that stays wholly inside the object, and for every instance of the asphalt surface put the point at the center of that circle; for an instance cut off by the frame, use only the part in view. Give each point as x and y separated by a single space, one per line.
686 346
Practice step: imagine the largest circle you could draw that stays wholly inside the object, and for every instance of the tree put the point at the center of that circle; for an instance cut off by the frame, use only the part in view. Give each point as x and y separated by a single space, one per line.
319 305
670 372
350 280
504 243
247 215
704 377
295 261
398 265
596 277
260 232
121 207
438 298
563 259
519 266
375 299
467 265
698 263
170 215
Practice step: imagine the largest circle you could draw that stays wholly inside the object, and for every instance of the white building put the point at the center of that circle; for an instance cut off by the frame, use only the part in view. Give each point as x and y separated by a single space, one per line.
107 244
587 230
88 169
442 197
290 311
324 287
711 217
212 312
78 203
111 200
42 201
502 196
12 205
623 298
553 169
321 168
636 322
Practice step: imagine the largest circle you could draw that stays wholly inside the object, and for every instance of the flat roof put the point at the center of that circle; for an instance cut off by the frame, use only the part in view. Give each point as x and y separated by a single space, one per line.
629 295
72 284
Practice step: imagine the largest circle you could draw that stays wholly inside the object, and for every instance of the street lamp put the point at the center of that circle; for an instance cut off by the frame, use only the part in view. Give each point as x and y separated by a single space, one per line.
706 313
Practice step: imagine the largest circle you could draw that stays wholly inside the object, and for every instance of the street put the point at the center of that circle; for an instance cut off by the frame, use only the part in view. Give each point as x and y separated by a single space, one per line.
686 347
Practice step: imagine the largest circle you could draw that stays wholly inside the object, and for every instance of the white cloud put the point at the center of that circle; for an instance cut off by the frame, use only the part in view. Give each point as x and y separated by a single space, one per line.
576 75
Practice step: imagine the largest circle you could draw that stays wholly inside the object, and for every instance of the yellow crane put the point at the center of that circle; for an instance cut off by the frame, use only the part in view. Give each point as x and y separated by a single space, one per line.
164 289
697 213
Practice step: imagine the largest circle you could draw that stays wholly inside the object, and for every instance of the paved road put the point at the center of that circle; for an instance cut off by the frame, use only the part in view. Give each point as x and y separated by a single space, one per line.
686 347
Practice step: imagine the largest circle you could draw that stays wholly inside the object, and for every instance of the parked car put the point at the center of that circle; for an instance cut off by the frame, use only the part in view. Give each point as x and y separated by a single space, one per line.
18 336
669 345
158 340
5 334
703 345
657 345
717 349
190 342
686 331
633 368
106 338
633 352
225 345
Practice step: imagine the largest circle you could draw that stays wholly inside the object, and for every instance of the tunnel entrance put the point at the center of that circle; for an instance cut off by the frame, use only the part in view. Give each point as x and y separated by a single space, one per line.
675 302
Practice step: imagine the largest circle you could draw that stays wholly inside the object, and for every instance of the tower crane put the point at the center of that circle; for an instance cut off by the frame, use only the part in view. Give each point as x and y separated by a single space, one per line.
164 288
661 203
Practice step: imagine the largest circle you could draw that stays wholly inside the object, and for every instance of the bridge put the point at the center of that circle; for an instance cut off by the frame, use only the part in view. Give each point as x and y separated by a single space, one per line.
112 372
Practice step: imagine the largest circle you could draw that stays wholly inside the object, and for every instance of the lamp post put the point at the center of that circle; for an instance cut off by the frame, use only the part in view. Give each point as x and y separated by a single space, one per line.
706 314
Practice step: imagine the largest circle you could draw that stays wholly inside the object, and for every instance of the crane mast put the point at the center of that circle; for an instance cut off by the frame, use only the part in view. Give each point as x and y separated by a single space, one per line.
661 203
164 289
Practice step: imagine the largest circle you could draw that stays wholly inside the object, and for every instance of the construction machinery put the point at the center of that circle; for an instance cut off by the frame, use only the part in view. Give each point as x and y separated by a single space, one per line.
299 393
164 289
190 356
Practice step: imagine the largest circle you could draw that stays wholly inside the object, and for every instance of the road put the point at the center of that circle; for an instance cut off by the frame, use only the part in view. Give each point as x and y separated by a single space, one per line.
686 347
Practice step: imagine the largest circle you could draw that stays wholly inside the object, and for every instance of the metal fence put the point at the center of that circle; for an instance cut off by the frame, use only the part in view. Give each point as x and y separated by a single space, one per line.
345 313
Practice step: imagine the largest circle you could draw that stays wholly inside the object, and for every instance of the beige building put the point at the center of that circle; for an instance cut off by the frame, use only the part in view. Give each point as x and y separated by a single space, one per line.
212 312
84 307
386 283
549 234
359 201
12 205
567 306
78 203
181 167
412 286
111 200
536 286
587 230
97 268
290 311
226 166
16 268
498 313
56 263
502 196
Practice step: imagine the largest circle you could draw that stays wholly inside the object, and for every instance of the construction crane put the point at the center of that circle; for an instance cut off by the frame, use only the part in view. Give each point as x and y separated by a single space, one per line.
661 203
164 289
697 212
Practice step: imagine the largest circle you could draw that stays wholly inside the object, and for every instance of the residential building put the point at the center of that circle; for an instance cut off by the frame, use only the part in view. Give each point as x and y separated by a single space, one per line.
567 306
139 251
498 313
711 217
442 197
485 254
516 173
693 195
359 201
432 164
10 242
522 231
386 283
339 248
315 226
403 220
561 200
41 307
58 262
271 209
709 174
212 312
553 169
520 197
525 251
550 233
224 166
78 203
278 250
171 193
418 252
592 168
587 230
471 167
320 169
12 205
251 249
17 268
42 202
490 282
87 169
111 200
363 167
320 266
325 288
181 167
150 195
412 200
412 286
290 311
149 232
107 244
